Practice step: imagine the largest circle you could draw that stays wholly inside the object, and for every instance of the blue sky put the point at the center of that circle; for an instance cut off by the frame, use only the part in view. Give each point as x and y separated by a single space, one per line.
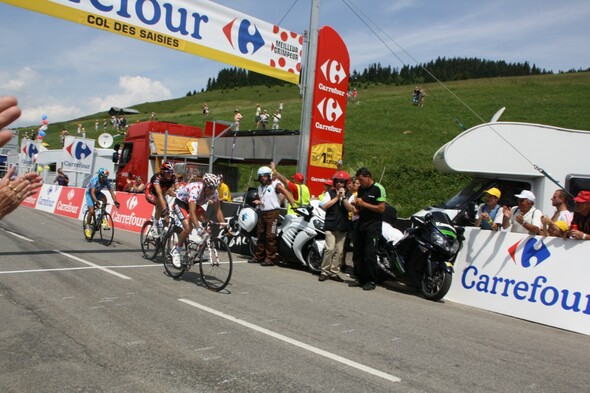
66 70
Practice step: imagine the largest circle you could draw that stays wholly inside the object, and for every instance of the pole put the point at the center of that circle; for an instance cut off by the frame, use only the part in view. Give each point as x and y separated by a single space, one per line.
307 87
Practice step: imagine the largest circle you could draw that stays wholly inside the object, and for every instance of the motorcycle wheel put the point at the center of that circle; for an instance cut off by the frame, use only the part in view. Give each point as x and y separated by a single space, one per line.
314 260
435 287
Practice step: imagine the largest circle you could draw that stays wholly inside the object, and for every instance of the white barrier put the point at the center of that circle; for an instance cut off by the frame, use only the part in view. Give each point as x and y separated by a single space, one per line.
541 279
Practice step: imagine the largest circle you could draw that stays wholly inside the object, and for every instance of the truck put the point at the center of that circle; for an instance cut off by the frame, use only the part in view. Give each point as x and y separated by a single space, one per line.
512 157
149 143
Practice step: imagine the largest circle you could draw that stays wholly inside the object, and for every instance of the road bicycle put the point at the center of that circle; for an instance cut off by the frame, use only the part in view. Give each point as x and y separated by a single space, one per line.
211 253
149 238
102 222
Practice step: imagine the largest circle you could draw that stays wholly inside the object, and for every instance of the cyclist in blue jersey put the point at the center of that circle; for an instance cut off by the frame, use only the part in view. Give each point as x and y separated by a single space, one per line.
93 194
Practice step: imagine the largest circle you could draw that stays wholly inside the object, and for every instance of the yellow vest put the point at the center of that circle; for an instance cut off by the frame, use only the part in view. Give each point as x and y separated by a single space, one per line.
303 197
223 191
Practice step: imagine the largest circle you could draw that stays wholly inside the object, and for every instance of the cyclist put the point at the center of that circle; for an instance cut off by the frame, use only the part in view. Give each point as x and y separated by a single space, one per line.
190 200
161 183
93 194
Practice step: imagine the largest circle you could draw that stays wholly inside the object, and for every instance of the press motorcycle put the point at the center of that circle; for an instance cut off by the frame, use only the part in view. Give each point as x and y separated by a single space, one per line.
425 255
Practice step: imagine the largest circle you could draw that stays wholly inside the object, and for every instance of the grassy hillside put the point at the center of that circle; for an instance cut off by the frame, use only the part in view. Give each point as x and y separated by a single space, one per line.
384 131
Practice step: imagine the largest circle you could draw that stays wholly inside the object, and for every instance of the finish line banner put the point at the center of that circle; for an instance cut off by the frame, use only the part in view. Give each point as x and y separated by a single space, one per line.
199 27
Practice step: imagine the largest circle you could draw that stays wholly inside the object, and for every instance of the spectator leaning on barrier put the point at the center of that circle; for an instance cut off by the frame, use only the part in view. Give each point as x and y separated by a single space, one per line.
524 218
580 227
490 215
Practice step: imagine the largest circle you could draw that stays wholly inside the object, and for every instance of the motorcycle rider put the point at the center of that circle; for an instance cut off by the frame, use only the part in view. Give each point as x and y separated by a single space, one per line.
189 202
370 203
336 205
268 202
156 189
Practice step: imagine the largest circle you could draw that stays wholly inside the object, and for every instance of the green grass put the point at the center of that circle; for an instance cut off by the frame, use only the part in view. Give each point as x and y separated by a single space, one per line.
384 131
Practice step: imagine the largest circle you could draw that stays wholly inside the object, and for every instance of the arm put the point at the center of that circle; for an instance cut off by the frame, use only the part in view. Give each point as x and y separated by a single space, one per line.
192 212
219 213
114 197
379 208
160 195
287 194
282 178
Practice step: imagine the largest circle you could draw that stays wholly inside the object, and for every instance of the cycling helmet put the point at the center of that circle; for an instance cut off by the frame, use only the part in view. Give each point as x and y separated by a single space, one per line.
341 175
167 167
264 171
211 180
103 172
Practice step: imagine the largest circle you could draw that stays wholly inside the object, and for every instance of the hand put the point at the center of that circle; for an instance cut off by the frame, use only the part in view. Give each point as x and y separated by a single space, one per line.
12 193
485 216
507 212
9 112
520 219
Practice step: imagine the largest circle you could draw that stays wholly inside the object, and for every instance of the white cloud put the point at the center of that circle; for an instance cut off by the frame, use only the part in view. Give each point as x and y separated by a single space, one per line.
134 89
15 83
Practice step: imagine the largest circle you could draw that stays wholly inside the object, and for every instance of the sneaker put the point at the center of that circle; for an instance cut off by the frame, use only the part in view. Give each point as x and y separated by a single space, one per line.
369 286
322 277
105 224
153 233
336 278
88 231
253 260
175 254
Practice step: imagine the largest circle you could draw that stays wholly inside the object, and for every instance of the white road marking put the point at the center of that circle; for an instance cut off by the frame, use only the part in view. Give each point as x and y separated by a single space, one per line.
77 268
19 236
75 258
291 341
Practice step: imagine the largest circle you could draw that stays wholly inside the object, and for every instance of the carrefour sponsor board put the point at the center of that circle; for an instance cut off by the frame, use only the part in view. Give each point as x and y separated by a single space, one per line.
48 196
541 279
69 203
78 154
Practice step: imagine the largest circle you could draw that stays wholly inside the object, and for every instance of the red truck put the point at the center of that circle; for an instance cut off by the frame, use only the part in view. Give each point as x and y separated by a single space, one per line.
148 143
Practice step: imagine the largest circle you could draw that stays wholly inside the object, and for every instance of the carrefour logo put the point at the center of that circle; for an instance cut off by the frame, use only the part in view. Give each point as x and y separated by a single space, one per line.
330 109
30 150
333 71
245 33
533 253
132 202
71 195
79 150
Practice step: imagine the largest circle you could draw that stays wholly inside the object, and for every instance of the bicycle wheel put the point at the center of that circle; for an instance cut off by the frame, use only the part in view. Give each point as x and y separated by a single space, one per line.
149 243
169 243
215 264
107 229
84 221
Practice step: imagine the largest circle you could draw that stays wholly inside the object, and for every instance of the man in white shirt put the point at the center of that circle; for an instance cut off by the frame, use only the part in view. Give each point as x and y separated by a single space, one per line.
524 218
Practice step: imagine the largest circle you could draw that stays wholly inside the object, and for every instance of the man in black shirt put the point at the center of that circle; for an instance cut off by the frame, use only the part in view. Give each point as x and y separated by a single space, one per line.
370 203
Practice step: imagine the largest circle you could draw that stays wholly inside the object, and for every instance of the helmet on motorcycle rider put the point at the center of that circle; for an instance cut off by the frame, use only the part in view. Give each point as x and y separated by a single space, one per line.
211 181
264 171
103 173
341 176
167 167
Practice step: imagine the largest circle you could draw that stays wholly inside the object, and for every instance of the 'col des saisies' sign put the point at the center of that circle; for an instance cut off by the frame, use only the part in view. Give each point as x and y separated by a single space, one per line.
198 27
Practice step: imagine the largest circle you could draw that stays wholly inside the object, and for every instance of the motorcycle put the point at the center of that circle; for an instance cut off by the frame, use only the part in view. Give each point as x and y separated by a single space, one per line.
424 256
300 238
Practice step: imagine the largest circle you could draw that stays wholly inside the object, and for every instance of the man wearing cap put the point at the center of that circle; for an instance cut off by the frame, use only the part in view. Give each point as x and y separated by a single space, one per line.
299 190
524 218
327 187
489 214
581 218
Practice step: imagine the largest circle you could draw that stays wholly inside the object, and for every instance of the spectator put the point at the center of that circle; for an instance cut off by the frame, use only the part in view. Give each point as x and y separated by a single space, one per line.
558 229
421 96
264 119
205 110
524 218
353 216
96 124
276 120
336 205
135 186
267 201
560 201
223 190
237 118
370 203
580 227
257 115
62 136
296 187
281 106
354 94
104 125
61 179
13 190
415 95
79 128
489 214
328 184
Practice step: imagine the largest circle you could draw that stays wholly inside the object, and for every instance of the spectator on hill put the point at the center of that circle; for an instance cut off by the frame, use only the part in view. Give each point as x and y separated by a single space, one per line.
264 119
276 119
257 115
237 119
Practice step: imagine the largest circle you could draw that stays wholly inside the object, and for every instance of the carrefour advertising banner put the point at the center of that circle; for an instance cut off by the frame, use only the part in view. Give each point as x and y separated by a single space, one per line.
328 109
78 154
28 154
540 279
199 27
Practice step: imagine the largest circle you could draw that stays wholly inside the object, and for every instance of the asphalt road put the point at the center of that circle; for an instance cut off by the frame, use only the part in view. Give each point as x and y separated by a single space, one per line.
81 317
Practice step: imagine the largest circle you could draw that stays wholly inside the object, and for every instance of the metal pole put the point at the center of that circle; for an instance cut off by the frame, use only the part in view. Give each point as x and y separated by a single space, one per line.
212 150
308 85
